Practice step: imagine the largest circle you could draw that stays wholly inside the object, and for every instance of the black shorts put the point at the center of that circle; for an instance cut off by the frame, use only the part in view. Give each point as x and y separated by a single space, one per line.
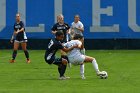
53 60
21 41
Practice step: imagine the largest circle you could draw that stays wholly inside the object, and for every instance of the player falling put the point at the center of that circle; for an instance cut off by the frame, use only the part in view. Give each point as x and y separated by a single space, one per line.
77 58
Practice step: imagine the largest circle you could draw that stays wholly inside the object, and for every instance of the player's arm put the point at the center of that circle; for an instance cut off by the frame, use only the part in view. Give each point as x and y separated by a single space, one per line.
80 45
53 32
54 29
12 38
69 49
21 30
81 27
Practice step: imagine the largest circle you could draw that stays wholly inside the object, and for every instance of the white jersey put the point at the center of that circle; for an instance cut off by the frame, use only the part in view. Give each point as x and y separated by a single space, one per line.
75 51
77 25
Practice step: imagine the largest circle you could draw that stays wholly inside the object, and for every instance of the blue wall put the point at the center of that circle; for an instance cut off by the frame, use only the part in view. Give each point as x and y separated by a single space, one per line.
42 12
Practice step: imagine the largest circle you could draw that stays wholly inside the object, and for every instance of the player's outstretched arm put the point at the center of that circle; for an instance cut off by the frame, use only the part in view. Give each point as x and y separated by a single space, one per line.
53 32
69 49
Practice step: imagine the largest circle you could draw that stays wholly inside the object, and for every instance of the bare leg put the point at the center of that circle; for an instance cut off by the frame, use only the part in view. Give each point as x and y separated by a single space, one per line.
16 46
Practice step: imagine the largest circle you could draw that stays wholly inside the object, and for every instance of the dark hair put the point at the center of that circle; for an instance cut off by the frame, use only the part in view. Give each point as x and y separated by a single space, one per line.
77 36
59 33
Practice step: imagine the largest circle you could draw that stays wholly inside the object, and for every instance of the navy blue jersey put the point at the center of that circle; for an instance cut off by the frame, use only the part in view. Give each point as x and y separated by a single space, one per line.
21 35
61 27
53 46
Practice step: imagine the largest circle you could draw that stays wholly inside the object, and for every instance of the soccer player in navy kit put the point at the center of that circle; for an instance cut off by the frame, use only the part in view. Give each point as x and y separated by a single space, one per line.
19 37
62 27
51 50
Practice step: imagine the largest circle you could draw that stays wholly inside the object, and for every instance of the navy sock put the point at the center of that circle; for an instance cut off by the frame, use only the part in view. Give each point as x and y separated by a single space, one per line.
26 54
14 54
59 70
63 69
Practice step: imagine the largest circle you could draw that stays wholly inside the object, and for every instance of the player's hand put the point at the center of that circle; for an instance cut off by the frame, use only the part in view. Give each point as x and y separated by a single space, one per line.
75 46
11 41
15 33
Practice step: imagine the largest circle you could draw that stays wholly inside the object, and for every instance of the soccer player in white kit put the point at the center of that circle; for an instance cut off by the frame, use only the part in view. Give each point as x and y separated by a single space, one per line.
77 58
77 27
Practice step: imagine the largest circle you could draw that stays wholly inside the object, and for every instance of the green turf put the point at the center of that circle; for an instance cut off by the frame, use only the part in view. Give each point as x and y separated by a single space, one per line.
123 67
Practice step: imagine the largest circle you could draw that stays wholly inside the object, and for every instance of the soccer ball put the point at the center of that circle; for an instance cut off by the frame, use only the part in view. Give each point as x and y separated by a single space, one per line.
104 75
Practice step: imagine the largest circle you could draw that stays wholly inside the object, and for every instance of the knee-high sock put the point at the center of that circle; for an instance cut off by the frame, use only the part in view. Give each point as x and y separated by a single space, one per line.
26 54
63 69
14 54
82 69
59 70
95 65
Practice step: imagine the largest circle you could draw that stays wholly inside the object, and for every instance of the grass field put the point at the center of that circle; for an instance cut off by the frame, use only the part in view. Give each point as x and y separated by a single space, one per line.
123 67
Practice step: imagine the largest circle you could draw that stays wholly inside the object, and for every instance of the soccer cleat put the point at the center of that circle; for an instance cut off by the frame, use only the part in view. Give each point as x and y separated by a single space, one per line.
66 77
12 61
28 61
62 78
83 77
100 73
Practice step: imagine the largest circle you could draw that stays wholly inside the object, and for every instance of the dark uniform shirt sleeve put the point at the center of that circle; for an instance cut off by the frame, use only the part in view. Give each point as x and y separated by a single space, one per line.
54 28
67 26
22 24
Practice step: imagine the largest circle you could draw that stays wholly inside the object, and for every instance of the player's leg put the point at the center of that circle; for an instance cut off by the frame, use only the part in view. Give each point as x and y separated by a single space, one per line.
62 64
24 45
94 63
16 45
82 70
78 60
64 56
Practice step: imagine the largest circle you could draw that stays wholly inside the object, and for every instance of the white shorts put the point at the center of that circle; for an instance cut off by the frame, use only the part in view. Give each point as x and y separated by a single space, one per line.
22 41
77 60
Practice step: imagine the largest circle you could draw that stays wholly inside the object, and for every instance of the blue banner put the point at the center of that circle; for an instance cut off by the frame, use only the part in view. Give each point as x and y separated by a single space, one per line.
102 19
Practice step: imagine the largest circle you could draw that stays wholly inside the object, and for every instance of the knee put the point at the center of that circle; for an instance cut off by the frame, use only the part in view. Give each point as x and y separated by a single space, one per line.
64 61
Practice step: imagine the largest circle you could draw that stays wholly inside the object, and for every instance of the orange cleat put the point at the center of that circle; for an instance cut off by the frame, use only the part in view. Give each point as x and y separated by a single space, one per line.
28 61
12 61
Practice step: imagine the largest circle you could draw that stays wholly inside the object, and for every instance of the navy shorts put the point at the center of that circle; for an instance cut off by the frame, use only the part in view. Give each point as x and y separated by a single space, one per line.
53 60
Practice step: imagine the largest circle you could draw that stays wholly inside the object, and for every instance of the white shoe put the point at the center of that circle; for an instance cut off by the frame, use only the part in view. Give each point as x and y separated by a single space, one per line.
83 77
100 73
67 77
62 78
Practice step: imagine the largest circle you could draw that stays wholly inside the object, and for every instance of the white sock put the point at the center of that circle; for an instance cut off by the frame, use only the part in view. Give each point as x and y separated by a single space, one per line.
83 51
95 65
82 69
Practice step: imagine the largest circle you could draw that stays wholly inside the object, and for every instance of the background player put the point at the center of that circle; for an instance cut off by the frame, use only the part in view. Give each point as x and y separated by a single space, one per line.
62 27
20 38
51 50
77 27
77 58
